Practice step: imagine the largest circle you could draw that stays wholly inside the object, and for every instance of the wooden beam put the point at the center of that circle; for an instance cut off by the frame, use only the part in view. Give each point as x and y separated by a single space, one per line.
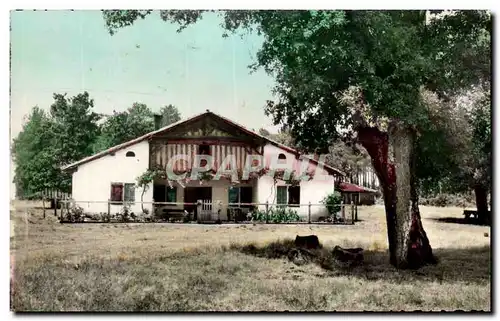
208 140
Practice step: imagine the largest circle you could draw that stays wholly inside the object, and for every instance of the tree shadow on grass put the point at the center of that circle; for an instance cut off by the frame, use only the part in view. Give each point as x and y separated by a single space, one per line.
455 264
459 220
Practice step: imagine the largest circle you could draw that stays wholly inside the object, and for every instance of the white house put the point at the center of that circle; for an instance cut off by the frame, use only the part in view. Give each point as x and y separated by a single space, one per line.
213 146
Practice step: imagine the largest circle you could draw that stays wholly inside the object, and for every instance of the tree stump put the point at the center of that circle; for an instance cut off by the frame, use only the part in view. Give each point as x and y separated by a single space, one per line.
348 257
307 242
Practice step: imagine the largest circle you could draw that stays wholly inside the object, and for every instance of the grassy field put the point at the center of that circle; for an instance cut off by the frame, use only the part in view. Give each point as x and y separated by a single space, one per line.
175 267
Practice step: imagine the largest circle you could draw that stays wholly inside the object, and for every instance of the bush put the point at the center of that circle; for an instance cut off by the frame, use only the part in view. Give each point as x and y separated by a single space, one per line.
276 215
125 214
75 213
444 199
332 202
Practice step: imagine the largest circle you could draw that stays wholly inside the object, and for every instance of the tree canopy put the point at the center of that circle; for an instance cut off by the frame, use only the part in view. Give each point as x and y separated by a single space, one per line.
365 73
136 121
169 115
32 150
70 131
316 56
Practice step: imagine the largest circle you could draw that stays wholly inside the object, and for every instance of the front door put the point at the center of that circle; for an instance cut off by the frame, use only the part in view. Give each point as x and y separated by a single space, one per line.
193 194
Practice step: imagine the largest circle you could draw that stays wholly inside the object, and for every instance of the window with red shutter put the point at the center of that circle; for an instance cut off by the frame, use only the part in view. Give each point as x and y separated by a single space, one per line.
116 192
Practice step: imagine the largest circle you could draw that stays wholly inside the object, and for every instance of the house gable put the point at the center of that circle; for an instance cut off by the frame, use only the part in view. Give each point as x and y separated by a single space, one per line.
210 127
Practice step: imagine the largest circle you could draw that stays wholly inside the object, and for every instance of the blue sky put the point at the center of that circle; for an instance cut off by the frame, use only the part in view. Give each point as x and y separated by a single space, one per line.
65 51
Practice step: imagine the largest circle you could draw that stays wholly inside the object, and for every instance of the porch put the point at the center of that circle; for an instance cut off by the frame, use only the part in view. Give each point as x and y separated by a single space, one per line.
203 201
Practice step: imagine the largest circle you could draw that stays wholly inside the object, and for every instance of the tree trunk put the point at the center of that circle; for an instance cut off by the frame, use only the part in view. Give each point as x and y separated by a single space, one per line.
482 203
409 246
142 198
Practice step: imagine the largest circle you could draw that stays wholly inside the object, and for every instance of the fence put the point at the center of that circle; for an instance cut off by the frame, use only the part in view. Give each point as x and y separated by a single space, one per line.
47 194
204 211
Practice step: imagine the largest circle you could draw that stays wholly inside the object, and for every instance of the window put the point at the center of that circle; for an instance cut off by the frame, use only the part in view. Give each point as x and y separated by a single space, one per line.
234 194
163 193
246 194
281 195
172 194
281 158
130 154
240 195
294 195
129 192
159 193
204 150
122 192
288 195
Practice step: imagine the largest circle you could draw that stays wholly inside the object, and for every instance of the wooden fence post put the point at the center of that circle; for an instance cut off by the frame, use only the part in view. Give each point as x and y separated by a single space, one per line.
199 208
309 212
356 211
343 211
352 212
61 212
43 206
267 211
109 210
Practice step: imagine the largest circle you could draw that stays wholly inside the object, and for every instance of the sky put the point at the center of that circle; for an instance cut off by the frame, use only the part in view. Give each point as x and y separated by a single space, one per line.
149 62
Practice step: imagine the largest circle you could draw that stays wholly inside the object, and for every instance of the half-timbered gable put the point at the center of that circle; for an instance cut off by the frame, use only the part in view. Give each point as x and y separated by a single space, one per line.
209 135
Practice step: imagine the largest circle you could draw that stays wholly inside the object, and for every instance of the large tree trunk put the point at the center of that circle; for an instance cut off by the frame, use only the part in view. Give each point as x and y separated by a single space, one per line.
409 246
482 203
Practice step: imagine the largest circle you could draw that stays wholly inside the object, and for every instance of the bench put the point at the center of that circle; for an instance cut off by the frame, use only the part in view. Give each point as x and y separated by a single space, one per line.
469 213
474 214
170 214
237 214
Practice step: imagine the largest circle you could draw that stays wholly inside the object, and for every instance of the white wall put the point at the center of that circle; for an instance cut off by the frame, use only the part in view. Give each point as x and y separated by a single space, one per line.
310 191
92 181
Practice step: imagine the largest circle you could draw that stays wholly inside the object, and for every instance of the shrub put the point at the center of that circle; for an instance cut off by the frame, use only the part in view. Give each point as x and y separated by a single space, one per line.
332 202
125 214
106 217
75 213
276 215
443 200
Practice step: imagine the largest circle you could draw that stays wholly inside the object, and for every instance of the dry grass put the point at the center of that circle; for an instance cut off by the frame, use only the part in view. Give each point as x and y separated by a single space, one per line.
173 267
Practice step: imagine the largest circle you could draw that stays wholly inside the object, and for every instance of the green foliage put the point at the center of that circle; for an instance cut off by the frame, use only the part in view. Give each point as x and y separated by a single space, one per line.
75 213
136 121
444 199
456 149
125 214
316 56
349 158
283 137
125 126
332 202
32 150
148 177
276 215
74 126
49 141
169 115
